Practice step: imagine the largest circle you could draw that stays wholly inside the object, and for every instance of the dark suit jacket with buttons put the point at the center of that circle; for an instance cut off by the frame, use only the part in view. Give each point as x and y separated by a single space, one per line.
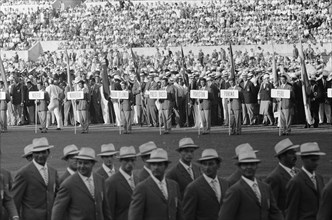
76 202
33 199
118 192
180 175
325 205
6 201
241 203
200 201
148 202
278 180
249 92
302 197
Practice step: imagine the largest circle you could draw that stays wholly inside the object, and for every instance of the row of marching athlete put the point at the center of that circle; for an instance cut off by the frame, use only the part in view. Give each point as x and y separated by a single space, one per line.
254 100
188 190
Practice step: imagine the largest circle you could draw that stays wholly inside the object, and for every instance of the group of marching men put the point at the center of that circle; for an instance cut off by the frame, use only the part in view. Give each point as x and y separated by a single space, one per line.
188 190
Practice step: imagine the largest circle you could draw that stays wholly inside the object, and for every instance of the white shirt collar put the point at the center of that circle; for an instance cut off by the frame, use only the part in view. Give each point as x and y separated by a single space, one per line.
38 166
85 178
209 179
289 170
163 181
185 165
70 171
108 170
308 173
248 181
126 175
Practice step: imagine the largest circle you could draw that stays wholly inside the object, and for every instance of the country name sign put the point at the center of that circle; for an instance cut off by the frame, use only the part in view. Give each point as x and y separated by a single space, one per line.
76 95
329 93
280 93
36 95
199 94
230 94
158 94
118 94
2 95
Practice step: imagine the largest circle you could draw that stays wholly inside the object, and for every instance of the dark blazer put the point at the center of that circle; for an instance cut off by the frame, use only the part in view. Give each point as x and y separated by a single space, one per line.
234 177
142 175
118 193
169 103
148 202
278 180
6 201
33 199
205 104
249 92
241 203
125 104
64 176
180 175
325 205
302 197
100 171
200 201
76 202
7 178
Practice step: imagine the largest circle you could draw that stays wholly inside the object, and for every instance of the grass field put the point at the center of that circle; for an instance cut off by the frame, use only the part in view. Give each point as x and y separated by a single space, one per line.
261 138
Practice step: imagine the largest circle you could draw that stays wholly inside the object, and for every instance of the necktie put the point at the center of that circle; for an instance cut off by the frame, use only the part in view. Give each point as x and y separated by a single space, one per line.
256 191
163 190
313 179
191 173
110 173
214 185
131 183
91 187
293 172
45 175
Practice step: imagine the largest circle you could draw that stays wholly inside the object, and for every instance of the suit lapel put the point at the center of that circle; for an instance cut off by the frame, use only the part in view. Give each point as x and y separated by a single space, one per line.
81 185
124 182
196 171
184 172
308 181
155 188
36 173
284 173
207 188
249 191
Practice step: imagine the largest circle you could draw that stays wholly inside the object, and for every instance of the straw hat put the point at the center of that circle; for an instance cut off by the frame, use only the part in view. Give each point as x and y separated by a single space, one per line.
209 154
27 151
40 144
158 155
248 157
310 148
127 152
242 148
86 153
69 150
107 150
146 148
283 146
186 143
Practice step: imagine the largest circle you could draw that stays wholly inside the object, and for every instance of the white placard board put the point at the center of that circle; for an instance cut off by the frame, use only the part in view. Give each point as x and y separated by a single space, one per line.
280 93
329 93
36 95
158 94
2 95
76 95
230 94
199 94
118 94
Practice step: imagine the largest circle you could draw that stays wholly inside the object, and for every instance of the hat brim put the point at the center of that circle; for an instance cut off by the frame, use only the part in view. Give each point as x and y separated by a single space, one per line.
145 153
157 161
70 154
287 149
249 161
236 157
188 146
209 158
311 153
42 148
25 155
85 158
108 153
127 156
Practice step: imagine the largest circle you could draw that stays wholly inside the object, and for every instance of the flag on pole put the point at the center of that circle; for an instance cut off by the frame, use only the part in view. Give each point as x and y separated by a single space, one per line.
274 66
106 83
232 74
184 67
3 74
305 87
68 68
135 64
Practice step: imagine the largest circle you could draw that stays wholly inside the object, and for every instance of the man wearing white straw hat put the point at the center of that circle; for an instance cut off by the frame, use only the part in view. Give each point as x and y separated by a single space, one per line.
203 197
107 155
325 204
284 171
120 186
185 171
236 175
144 152
249 198
69 153
303 191
35 184
82 195
27 152
156 197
